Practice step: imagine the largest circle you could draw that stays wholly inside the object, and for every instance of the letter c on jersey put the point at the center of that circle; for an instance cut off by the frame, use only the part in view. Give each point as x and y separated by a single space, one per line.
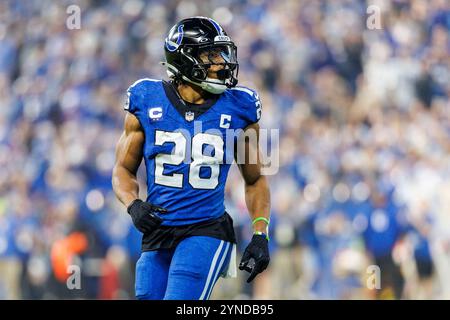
225 121
155 113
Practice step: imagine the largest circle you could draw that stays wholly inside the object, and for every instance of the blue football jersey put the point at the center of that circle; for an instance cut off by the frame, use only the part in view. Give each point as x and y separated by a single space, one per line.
187 160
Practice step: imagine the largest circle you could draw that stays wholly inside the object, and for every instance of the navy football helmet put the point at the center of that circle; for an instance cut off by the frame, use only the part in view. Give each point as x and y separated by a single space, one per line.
193 46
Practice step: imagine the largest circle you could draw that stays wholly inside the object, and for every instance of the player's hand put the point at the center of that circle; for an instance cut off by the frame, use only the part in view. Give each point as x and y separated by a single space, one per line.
256 256
145 215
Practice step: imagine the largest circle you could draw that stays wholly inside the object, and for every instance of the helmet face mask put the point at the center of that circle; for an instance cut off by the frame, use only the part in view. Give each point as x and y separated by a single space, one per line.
199 51
216 63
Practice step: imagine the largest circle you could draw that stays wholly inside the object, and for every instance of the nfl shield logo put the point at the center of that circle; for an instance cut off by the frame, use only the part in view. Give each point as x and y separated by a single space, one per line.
189 116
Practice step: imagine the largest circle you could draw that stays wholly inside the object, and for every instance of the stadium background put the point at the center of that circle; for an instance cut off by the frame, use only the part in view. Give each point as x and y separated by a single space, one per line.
364 124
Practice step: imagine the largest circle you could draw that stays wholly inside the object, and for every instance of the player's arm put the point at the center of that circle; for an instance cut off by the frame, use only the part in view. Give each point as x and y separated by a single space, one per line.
257 194
257 197
124 179
128 159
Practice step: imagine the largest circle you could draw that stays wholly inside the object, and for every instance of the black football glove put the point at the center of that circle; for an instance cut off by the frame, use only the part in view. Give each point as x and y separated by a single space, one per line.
256 256
145 215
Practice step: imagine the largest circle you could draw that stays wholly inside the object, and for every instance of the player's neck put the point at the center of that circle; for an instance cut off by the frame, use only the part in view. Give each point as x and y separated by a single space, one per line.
191 93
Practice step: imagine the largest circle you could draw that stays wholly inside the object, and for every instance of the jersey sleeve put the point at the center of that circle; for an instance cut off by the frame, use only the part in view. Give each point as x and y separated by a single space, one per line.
132 99
250 102
127 105
137 93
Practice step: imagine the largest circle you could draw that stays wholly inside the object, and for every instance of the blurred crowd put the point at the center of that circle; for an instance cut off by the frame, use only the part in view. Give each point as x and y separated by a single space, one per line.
360 203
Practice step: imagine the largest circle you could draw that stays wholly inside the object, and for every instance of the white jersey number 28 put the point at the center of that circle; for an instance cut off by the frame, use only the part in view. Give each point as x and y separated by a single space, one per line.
199 160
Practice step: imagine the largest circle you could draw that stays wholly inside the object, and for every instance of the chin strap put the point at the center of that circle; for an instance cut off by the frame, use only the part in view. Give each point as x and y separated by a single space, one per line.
211 87
214 88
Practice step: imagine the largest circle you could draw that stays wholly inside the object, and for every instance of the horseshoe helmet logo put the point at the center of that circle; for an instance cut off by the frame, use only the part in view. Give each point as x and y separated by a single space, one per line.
172 46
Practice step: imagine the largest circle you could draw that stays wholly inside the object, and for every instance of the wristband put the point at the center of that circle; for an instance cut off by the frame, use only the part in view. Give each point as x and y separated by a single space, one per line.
267 221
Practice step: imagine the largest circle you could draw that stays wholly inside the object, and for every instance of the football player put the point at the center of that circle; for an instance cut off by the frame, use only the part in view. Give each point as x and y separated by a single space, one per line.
188 237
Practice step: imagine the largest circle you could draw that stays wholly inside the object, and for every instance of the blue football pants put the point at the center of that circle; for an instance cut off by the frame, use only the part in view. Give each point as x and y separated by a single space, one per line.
187 272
